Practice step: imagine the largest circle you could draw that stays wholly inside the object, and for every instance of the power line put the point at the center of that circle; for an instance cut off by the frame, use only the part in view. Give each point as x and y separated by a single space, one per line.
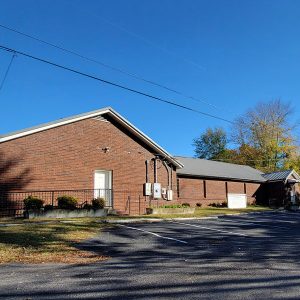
114 84
151 43
133 75
7 70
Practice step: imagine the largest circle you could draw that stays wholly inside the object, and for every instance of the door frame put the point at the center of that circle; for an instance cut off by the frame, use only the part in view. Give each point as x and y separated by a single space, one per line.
108 190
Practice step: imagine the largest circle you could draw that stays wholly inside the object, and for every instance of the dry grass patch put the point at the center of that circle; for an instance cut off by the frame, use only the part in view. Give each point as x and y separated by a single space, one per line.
53 242
209 211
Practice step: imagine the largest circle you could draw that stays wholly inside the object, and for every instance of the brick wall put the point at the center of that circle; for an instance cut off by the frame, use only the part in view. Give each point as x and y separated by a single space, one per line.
206 191
65 158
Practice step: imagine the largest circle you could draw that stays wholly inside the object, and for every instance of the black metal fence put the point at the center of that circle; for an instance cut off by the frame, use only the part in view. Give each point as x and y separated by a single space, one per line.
12 203
123 202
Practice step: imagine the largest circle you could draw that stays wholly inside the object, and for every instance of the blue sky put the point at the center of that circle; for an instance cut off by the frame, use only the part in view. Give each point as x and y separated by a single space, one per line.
231 54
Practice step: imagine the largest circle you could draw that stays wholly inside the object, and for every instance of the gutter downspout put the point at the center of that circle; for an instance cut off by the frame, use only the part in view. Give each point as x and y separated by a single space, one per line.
169 175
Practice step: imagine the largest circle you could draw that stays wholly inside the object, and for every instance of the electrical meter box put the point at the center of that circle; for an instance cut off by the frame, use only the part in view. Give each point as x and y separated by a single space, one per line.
156 190
169 195
147 189
164 191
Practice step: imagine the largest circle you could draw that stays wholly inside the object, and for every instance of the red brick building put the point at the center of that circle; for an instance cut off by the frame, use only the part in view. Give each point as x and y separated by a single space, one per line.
282 189
101 154
205 181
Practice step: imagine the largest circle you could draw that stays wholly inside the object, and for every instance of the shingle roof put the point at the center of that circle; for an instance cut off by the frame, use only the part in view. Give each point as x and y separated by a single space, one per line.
214 169
280 176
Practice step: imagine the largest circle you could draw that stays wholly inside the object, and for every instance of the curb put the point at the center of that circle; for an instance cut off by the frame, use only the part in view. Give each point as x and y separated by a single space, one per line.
153 220
149 220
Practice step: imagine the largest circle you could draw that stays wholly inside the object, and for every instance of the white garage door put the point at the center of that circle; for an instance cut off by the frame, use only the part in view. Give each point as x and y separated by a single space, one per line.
237 200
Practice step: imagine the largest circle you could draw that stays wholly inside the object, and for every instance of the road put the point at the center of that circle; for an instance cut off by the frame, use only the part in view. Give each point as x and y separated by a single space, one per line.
253 256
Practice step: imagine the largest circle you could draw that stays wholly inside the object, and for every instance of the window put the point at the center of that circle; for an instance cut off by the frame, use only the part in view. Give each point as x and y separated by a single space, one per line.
245 188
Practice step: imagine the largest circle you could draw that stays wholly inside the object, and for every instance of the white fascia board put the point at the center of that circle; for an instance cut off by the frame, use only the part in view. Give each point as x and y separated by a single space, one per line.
56 124
145 138
293 172
109 111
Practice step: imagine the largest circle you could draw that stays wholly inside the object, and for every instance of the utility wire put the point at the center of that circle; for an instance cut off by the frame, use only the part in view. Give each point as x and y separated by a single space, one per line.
113 84
151 43
133 75
7 71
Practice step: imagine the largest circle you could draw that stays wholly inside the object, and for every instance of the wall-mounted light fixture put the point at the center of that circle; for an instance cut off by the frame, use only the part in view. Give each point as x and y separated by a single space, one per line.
105 149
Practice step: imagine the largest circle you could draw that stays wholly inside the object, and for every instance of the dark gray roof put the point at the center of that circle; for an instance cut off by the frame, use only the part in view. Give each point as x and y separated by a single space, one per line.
215 169
280 175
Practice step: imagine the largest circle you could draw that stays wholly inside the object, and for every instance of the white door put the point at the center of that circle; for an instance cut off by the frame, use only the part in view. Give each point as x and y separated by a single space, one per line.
102 185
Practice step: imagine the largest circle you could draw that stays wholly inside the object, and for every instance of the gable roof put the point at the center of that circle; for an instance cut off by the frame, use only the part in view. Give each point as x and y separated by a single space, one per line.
281 175
215 169
107 111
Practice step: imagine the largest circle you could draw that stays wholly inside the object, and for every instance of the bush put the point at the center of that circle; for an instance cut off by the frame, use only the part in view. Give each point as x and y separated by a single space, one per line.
32 202
224 204
98 203
66 202
48 207
198 204
218 205
87 206
183 205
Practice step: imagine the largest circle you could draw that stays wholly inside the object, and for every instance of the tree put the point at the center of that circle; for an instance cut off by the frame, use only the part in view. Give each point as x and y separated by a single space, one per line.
211 144
264 135
293 163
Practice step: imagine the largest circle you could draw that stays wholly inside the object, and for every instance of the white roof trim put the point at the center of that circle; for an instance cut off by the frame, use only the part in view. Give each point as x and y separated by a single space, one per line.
49 126
76 118
291 173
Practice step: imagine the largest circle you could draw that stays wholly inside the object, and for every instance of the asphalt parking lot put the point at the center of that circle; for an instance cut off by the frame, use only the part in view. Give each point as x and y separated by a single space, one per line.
253 256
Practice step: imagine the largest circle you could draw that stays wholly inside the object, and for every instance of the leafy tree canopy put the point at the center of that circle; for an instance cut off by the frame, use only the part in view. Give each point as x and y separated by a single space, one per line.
211 143
264 138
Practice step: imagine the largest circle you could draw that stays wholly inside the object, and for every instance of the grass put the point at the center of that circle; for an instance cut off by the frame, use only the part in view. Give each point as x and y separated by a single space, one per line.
208 211
50 242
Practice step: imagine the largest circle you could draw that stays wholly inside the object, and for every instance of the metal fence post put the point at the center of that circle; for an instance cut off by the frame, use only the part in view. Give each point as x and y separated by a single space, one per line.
139 204
129 205
52 198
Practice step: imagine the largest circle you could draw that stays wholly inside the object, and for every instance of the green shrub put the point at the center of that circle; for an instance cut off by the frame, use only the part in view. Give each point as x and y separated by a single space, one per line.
48 207
174 205
224 204
218 205
98 203
67 202
32 202
87 206
185 205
